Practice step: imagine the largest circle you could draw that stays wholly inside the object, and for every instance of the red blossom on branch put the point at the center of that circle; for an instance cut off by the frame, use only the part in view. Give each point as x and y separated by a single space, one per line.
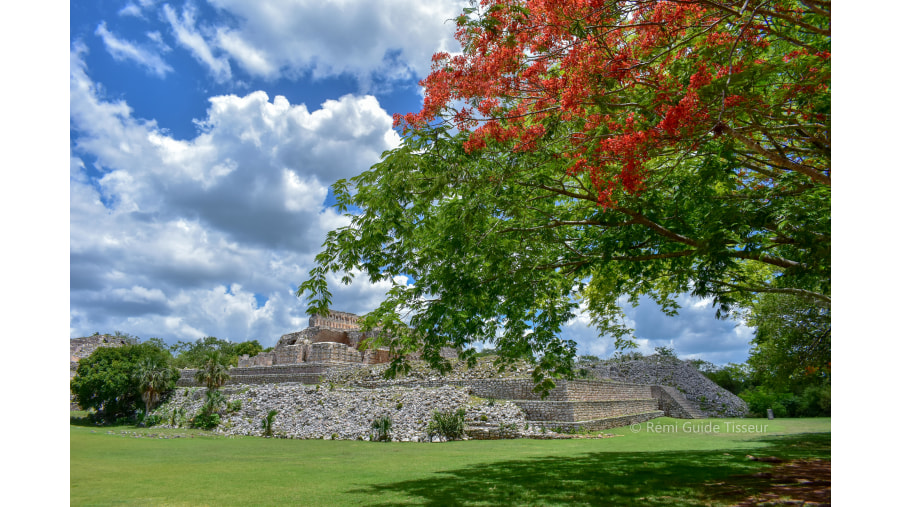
635 78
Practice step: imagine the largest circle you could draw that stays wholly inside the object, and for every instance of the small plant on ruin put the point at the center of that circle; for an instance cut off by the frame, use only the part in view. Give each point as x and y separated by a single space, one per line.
153 420
205 421
450 425
381 429
483 417
508 430
268 423
668 352
215 400
234 406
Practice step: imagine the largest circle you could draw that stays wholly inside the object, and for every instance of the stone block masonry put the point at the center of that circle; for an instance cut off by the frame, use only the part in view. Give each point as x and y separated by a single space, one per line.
698 395
303 373
335 338
335 320
571 404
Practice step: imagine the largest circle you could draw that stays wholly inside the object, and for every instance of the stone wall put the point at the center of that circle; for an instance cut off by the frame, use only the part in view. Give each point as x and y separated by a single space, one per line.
335 320
330 352
79 348
704 396
303 373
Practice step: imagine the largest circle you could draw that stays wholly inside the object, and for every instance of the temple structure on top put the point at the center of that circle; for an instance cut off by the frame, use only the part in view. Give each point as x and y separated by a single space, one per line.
334 339
336 320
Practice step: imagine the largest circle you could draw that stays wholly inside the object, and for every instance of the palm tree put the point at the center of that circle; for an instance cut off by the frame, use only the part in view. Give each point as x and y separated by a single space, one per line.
153 379
215 400
213 372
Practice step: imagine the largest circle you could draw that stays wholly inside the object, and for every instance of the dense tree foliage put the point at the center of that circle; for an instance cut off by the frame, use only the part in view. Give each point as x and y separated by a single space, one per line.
213 371
108 380
733 377
154 379
194 354
592 152
792 344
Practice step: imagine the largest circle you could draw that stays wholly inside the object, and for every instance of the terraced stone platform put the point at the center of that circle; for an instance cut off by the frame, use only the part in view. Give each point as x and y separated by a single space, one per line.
303 373
571 405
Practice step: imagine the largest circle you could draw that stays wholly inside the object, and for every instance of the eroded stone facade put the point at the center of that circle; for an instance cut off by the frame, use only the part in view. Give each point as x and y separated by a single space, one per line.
332 339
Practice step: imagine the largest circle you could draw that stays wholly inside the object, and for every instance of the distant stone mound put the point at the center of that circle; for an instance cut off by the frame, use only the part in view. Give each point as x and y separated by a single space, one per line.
704 394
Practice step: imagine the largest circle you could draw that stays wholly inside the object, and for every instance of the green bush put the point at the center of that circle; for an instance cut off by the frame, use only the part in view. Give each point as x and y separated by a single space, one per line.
665 351
205 421
234 406
215 400
176 418
627 356
105 381
268 423
381 429
450 425
783 404
816 401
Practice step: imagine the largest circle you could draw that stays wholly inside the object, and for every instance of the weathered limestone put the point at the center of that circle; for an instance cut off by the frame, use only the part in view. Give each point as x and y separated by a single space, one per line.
332 339
676 379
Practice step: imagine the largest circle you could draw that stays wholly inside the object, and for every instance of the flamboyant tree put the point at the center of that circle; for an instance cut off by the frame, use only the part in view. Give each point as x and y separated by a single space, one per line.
584 152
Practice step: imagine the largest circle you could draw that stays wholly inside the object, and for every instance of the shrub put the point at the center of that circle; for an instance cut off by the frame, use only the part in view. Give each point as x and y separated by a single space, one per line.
205 421
215 400
268 423
760 399
816 401
176 417
508 430
234 406
665 351
450 425
627 356
381 429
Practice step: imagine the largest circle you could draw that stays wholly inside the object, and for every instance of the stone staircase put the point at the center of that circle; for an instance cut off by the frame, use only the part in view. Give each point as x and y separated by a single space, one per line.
575 404
591 405
675 404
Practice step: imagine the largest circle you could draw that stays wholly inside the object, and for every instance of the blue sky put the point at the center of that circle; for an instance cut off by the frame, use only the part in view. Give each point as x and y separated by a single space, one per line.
203 138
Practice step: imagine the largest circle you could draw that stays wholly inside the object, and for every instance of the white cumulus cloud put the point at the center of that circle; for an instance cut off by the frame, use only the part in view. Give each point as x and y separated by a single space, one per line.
183 238
393 39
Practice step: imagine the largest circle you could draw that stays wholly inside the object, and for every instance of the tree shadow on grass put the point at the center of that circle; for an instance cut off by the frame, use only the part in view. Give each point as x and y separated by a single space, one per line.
614 478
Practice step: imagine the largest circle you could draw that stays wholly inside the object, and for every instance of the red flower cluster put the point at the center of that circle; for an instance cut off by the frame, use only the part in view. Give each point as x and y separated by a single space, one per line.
633 78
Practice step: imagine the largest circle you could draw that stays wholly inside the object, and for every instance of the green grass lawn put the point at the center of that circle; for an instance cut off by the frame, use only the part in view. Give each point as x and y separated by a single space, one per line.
662 462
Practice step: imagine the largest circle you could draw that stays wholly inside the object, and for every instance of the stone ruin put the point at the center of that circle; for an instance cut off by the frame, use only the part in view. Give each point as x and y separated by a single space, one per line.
331 345
80 348
335 338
